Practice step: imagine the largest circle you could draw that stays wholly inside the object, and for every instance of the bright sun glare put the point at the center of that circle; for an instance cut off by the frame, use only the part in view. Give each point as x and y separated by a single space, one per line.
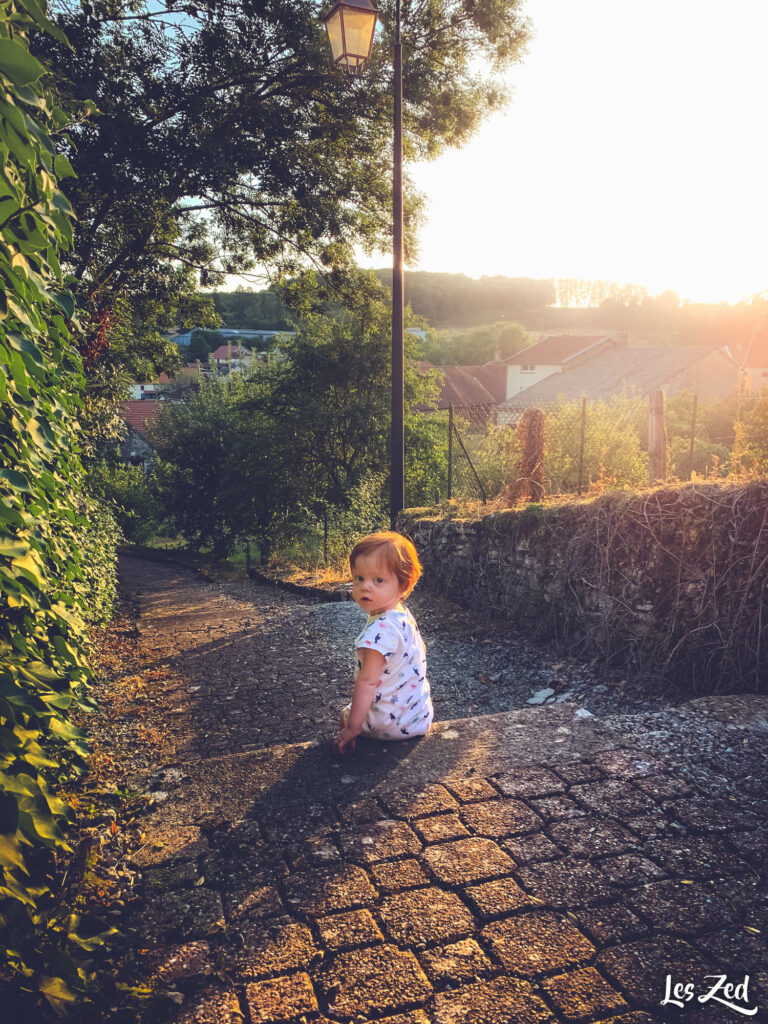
634 151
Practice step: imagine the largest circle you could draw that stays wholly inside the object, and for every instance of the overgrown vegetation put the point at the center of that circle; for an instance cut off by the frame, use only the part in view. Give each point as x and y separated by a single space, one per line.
56 563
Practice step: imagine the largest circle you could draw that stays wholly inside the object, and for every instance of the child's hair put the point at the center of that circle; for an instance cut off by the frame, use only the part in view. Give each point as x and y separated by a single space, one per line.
397 552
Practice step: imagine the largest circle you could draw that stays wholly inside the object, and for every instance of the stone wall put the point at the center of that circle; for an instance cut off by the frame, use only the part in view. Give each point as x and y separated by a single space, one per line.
666 583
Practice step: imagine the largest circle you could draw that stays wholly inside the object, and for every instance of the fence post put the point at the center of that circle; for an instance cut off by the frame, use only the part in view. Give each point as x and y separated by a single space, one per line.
325 535
247 555
693 437
581 443
450 450
657 438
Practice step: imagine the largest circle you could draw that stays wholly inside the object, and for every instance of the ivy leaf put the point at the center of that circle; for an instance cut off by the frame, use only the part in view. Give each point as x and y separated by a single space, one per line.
18 64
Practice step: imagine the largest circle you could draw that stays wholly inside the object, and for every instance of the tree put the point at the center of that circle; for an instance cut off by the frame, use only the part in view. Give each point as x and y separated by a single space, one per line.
257 454
224 139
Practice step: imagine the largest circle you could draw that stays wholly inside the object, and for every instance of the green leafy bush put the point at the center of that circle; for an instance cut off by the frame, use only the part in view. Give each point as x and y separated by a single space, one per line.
43 580
128 493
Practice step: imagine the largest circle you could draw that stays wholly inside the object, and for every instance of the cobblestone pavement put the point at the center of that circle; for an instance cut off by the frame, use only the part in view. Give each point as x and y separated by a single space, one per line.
530 866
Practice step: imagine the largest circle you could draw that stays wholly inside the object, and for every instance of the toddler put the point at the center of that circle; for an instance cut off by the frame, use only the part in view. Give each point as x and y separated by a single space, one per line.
390 700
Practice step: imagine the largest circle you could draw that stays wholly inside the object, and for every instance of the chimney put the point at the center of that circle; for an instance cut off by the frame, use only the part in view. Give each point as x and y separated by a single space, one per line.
497 354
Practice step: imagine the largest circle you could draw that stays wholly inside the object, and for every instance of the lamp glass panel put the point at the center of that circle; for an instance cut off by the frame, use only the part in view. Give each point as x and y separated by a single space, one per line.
358 31
333 24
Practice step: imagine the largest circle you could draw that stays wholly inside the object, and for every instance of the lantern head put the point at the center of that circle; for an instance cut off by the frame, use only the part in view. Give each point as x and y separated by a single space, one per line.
351 25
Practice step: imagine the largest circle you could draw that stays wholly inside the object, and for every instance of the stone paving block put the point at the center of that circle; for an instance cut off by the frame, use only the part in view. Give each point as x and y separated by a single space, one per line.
467 791
532 944
556 808
346 931
682 909
638 1017
736 948
568 882
467 860
326 890
311 851
163 843
240 834
702 814
421 916
653 825
254 902
408 803
627 764
614 923
662 787
499 1001
497 818
531 848
440 827
614 797
169 965
574 772
212 1006
373 980
178 874
187 914
630 869
360 811
590 837
415 1017
271 947
290 822
459 961
392 876
695 856
492 899
578 995
379 840
280 998
259 863
640 968
529 781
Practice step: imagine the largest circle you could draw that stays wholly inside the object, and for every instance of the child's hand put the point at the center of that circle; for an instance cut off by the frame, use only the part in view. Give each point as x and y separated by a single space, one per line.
345 740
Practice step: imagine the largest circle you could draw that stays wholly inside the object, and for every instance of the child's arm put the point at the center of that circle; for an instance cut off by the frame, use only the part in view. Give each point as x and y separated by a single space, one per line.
372 665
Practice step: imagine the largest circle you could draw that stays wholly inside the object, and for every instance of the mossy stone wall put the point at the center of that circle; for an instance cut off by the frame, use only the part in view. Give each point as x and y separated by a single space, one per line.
669 583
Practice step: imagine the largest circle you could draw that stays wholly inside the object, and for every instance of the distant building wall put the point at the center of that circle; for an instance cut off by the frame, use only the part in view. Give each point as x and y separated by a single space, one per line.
525 375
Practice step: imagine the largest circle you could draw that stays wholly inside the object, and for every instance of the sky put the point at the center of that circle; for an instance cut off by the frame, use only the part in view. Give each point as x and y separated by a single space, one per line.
635 150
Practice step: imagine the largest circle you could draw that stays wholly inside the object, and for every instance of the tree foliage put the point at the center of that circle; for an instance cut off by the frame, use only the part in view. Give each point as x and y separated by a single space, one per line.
217 138
43 580
260 454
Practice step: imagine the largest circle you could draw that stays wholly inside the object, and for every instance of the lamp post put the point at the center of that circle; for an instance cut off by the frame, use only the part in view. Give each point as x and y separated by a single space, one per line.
351 25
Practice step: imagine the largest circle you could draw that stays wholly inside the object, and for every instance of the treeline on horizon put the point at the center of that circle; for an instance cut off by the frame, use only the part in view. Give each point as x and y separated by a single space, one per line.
455 301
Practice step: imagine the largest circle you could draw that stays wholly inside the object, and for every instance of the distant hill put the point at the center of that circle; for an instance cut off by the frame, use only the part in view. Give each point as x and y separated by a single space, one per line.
455 300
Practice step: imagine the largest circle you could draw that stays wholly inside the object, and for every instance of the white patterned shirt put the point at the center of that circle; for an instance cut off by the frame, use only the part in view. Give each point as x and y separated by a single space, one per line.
402 706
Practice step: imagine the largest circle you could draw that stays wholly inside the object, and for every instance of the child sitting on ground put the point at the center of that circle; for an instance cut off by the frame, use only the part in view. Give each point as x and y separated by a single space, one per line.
391 699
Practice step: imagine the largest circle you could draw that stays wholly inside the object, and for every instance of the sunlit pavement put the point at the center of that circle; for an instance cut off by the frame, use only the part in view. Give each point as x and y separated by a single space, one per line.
529 866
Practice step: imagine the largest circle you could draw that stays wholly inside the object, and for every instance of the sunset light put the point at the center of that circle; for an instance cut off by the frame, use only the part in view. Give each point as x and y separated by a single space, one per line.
633 151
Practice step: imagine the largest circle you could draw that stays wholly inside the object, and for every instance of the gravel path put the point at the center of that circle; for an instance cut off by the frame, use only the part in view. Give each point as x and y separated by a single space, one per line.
240 665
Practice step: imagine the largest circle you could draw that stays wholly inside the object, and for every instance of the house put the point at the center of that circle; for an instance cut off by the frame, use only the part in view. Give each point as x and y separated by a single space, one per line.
613 369
480 388
551 355
754 363
135 448
231 357
146 390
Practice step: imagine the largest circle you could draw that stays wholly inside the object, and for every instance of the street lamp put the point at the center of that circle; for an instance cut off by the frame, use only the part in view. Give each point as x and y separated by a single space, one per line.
350 27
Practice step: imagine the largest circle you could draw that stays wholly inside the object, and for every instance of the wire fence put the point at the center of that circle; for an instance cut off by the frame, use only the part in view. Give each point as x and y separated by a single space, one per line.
579 441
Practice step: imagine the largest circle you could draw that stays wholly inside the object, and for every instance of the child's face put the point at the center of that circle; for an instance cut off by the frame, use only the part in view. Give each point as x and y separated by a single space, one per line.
374 586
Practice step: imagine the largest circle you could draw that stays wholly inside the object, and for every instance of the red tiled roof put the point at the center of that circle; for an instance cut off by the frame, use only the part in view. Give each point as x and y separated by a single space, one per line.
230 352
140 412
555 350
461 386
756 356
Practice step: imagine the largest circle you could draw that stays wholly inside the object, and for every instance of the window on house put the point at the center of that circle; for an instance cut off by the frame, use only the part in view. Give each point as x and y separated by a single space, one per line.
527 368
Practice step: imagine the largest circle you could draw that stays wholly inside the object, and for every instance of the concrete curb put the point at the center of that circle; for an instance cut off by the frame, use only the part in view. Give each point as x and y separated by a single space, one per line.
299 588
